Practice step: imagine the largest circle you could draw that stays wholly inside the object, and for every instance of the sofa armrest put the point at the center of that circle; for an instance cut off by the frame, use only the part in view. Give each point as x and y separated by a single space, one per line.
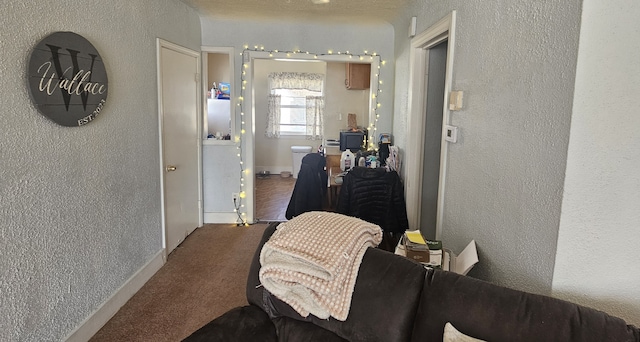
254 288
290 329
246 323
496 313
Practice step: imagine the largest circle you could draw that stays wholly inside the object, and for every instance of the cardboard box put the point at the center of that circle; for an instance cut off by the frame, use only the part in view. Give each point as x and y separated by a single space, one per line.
418 255
435 259
415 246
435 253
463 262
450 261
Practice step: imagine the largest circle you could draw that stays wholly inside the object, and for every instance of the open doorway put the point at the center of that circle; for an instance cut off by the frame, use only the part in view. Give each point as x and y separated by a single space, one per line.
249 141
292 83
431 65
218 134
432 146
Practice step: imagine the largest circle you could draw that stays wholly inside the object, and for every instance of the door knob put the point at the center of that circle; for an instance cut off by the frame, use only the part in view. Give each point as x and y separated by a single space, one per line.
171 168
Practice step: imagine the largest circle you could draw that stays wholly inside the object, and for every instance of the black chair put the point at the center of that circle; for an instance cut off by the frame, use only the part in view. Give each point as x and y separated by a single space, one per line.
310 188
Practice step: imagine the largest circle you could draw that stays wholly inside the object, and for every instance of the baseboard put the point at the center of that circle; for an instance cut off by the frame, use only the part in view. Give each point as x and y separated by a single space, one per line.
221 218
109 308
274 170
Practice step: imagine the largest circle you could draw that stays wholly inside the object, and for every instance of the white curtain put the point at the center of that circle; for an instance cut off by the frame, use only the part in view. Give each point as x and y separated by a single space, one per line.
273 116
315 121
302 81
296 80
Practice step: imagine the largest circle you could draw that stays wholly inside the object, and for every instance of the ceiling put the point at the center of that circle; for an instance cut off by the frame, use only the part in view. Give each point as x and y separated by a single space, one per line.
345 11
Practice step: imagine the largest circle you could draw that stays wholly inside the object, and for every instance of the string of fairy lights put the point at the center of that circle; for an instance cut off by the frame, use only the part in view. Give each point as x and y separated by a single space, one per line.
363 57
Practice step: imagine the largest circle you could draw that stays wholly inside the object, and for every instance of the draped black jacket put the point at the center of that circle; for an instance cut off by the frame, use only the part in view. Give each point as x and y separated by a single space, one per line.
376 196
310 188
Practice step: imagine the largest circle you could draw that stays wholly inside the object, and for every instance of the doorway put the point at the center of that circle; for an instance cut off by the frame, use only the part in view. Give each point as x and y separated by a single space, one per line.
427 115
179 124
435 79
219 135
249 142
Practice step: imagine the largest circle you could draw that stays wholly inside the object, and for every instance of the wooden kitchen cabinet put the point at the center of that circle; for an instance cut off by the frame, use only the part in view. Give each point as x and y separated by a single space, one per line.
358 76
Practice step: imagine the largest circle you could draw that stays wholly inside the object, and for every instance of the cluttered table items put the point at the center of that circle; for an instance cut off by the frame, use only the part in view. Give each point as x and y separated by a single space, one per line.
430 253
335 183
339 163
338 166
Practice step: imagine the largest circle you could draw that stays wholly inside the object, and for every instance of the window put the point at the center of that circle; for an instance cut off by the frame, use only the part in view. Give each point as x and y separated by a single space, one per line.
296 105
293 108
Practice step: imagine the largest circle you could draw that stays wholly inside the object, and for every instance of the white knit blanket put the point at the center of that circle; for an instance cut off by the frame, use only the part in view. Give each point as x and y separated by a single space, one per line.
311 262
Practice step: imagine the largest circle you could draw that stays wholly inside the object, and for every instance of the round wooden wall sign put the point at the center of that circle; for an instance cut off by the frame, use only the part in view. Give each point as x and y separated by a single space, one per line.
67 79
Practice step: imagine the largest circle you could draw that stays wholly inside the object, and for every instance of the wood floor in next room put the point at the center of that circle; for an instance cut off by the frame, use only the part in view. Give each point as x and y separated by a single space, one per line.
273 193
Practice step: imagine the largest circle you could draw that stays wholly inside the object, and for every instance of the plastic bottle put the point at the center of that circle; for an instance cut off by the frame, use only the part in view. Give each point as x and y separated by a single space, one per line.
374 162
347 160
213 90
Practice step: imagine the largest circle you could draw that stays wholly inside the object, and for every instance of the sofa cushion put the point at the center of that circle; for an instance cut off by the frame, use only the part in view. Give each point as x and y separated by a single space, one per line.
254 289
383 305
290 330
451 334
246 323
495 313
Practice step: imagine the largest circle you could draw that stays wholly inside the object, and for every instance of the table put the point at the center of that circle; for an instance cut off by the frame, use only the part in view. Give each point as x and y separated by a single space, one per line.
334 188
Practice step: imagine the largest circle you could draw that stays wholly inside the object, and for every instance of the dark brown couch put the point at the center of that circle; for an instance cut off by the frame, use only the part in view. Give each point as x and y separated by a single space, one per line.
396 299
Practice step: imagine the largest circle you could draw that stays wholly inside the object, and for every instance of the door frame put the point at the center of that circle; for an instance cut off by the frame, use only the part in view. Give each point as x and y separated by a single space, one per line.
248 135
160 44
443 30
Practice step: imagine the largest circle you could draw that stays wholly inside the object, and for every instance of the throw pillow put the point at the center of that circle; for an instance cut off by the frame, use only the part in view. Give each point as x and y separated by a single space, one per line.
451 334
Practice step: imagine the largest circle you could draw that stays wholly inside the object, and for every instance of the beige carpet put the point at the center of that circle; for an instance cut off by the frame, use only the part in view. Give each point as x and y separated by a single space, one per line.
202 279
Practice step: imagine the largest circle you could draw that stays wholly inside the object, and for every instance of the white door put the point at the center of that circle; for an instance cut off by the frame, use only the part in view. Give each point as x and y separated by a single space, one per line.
179 87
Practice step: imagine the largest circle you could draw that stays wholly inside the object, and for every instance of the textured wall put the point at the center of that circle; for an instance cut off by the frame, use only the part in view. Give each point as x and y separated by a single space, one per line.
346 101
80 207
598 239
515 62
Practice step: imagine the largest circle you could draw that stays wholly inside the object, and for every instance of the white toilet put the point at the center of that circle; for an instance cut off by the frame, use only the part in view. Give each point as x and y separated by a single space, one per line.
298 152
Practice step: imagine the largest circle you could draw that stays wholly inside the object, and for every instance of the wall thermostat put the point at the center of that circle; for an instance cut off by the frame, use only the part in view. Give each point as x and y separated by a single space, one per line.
450 133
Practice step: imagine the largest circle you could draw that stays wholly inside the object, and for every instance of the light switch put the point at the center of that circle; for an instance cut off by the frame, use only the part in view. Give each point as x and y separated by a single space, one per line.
450 133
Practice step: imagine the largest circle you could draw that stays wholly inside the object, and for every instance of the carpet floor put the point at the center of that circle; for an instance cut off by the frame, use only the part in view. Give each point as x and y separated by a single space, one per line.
203 277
